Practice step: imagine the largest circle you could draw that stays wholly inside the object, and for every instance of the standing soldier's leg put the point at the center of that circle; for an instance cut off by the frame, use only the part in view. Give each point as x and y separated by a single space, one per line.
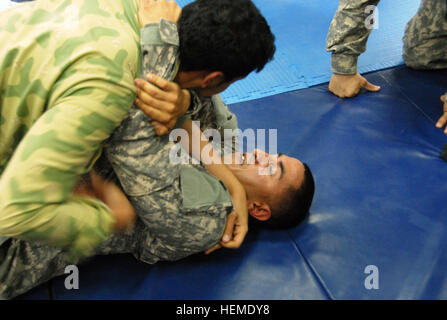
425 40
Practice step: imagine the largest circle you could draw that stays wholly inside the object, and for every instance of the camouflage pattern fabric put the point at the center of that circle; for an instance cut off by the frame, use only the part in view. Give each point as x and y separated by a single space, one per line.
181 209
424 41
67 75
182 206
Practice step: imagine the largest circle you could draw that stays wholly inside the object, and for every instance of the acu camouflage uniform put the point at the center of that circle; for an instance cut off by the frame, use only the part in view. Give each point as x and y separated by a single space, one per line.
181 209
425 40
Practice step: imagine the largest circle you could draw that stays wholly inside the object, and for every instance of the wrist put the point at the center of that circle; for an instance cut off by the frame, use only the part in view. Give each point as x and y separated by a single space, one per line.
344 64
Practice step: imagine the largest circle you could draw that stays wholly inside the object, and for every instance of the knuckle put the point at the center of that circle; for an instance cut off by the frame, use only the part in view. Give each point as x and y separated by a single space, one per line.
171 108
154 94
149 112
163 85
165 118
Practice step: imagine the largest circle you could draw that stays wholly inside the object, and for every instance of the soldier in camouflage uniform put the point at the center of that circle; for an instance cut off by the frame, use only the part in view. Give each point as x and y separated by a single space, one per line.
182 209
66 82
425 45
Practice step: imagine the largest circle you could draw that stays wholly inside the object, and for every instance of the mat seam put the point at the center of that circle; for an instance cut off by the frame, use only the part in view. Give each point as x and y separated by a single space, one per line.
312 269
408 99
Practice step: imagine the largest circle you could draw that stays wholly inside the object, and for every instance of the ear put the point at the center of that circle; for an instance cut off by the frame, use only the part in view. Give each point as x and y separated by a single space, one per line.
213 79
259 210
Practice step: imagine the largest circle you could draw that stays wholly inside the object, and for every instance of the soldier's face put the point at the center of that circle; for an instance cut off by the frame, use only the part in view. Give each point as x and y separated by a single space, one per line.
267 176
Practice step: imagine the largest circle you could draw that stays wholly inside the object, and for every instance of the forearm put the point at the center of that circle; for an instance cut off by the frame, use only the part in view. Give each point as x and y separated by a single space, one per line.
211 159
348 34
203 151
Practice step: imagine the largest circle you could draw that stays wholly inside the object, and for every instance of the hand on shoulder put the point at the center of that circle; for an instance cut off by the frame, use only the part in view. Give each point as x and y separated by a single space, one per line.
152 11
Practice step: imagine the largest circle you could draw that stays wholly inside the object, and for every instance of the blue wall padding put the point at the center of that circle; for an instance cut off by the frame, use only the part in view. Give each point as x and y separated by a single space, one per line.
301 27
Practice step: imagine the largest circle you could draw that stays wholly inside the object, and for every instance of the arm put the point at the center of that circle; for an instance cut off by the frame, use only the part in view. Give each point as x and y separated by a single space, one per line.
36 202
127 149
213 162
346 40
348 34
160 52
162 101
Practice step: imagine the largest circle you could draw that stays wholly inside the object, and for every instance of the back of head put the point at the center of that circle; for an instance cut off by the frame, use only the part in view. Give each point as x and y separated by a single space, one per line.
294 206
224 35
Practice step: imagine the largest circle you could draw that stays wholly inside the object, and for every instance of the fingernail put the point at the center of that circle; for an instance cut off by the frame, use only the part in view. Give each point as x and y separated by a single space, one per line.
226 238
137 82
149 77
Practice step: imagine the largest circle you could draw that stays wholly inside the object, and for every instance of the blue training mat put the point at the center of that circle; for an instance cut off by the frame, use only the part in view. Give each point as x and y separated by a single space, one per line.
301 61
380 200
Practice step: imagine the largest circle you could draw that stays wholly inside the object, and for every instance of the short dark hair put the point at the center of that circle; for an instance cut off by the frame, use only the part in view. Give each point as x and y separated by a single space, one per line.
294 208
230 36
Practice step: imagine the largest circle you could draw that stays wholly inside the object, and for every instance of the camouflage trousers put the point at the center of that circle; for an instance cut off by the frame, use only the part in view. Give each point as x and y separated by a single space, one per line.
25 265
425 39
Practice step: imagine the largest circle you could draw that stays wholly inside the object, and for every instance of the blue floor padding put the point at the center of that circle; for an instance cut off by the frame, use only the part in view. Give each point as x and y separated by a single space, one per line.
250 273
434 82
301 27
40 293
380 200
381 184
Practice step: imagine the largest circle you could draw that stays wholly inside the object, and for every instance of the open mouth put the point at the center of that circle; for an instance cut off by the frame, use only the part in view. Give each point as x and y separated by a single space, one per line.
248 158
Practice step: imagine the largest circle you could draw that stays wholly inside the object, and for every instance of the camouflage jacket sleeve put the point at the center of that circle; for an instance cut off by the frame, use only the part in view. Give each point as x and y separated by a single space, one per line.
159 49
160 54
218 123
61 96
348 34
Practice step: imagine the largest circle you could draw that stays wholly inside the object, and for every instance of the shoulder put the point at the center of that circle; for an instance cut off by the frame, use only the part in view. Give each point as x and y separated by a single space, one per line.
201 190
